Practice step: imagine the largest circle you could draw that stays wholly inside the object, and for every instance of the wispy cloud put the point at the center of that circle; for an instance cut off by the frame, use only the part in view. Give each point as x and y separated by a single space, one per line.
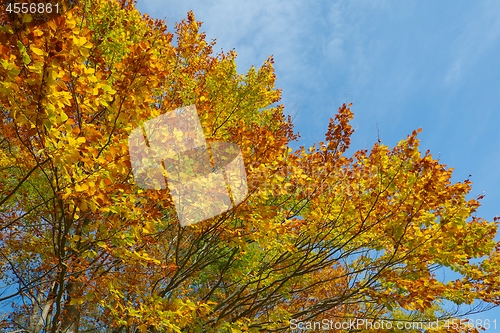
479 33
303 37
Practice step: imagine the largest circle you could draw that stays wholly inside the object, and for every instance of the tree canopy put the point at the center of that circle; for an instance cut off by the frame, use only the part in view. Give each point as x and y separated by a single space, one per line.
321 236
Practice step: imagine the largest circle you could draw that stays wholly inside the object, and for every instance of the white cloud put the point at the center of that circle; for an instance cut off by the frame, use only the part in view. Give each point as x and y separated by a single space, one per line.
453 74
302 36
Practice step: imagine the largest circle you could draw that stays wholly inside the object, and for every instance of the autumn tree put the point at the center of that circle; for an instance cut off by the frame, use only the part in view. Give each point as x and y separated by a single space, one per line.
321 235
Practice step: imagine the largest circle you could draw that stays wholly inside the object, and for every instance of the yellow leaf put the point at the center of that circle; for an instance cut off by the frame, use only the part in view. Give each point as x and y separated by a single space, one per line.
64 116
93 206
36 50
102 244
81 187
79 41
78 300
83 206
27 18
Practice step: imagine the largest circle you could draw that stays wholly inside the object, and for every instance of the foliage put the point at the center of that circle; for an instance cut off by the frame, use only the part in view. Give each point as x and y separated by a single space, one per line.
320 236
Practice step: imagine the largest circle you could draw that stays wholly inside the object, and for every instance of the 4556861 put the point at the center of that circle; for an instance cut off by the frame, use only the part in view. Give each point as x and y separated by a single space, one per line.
19 14
32 8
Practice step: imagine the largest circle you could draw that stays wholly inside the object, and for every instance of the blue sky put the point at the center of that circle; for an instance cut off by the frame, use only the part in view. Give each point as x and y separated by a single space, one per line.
403 64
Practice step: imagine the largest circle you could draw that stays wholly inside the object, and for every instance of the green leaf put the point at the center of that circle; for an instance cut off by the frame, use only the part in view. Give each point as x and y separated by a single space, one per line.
26 59
21 47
